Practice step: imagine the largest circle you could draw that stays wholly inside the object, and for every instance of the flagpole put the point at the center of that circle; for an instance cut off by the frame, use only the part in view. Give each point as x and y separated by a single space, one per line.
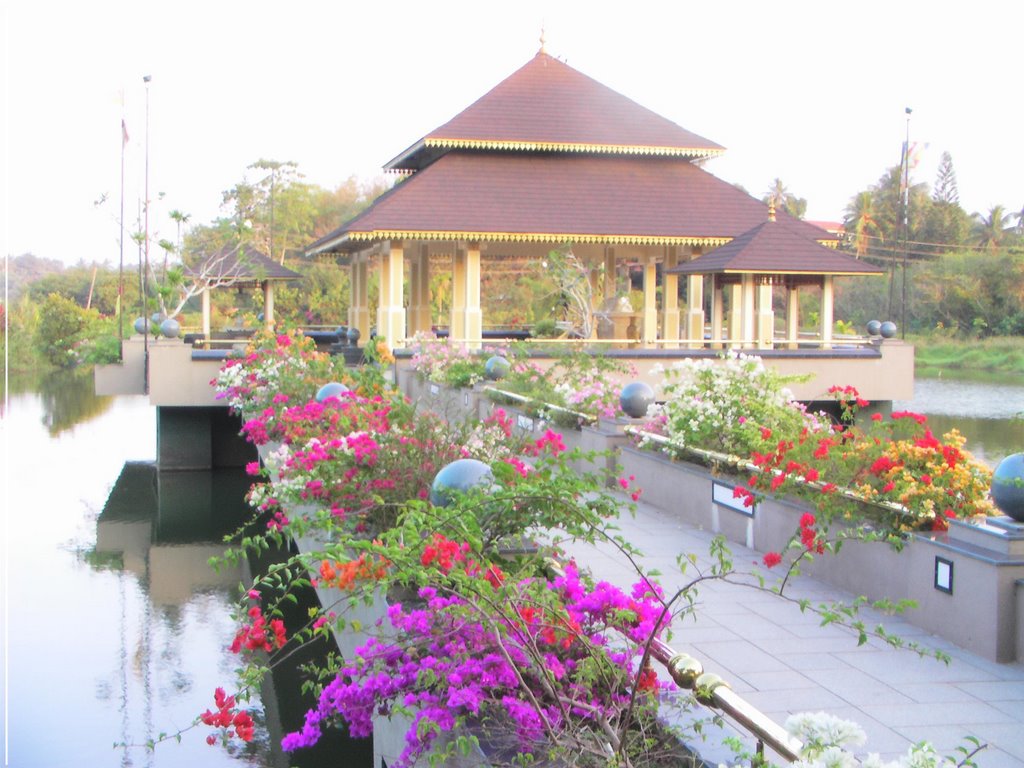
906 229
120 271
145 271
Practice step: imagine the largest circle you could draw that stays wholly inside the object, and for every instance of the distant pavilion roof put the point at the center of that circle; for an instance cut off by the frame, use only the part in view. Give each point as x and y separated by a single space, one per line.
244 263
528 197
547 105
771 249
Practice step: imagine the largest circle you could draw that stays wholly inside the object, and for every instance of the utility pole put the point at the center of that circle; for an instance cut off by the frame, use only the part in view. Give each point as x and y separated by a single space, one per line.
906 227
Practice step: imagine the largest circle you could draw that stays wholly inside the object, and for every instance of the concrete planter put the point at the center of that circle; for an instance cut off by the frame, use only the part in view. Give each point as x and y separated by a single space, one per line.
968 582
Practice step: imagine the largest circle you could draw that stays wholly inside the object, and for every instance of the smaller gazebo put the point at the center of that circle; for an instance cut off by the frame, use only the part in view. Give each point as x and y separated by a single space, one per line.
238 265
751 265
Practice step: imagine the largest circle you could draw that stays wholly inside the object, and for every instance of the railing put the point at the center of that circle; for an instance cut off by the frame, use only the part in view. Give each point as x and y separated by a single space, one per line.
671 344
583 417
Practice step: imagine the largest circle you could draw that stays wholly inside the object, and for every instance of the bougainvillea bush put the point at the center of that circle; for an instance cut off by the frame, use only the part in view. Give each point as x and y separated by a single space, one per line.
581 386
453 363
890 471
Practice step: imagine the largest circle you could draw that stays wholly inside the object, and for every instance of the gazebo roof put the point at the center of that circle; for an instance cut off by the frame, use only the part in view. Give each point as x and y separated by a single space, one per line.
547 105
242 262
772 248
504 196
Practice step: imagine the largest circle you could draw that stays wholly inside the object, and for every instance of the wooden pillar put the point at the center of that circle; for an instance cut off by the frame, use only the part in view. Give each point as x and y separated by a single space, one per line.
765 317
473 322
747 311
695 311
793 315
457 323
716 312
268 304
391 312
419 289
206 313
827 310
359 296
670 324
735 313
649 333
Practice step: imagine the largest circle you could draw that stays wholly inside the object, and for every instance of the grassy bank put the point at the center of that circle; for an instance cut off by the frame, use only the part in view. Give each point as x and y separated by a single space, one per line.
998 355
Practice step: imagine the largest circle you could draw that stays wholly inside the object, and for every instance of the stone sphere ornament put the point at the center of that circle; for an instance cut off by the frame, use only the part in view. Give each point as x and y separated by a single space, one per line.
459 476
1008 486
888 330
353 336
331 389
140 325
170 328
497 368
636 398
874 327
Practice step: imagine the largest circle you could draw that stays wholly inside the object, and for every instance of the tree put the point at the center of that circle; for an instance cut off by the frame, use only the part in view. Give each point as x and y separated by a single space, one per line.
573 281
61 323
945 182
990 231
785 200
860 220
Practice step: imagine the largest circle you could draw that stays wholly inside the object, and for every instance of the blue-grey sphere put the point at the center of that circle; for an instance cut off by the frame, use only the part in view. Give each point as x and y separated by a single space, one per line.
140 325
331 389
460 475
636 398
888 330
352 336
259 316
170 328
157 318
497 368
874 327
1008 486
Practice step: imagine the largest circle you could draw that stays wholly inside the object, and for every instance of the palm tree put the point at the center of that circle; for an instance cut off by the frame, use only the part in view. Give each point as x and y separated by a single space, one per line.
862 222
990 231
179 219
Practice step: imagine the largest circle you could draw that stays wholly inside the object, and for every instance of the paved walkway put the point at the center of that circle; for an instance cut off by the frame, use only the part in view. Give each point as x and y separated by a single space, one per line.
782 661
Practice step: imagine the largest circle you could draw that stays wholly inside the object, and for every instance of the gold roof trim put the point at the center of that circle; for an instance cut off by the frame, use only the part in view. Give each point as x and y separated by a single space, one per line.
795 272
537 237
558 146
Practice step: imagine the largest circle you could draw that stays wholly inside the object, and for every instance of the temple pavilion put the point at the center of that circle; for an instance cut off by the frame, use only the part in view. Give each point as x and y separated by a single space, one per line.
551 157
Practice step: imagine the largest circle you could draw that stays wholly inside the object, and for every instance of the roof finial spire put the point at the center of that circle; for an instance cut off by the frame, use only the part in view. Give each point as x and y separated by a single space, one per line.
771 210
543 40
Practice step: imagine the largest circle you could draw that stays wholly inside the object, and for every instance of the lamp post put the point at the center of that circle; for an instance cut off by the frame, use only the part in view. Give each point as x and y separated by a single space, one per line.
906 226
145 270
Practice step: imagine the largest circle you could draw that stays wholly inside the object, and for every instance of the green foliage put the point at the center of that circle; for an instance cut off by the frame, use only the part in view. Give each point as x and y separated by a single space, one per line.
61 323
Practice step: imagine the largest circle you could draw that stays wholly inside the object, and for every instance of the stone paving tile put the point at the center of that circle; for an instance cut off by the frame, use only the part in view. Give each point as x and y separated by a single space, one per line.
944 738
738 657
901 667
806 661
1014 709
856 687
795 700
777 681
935 713
1005 690
935 692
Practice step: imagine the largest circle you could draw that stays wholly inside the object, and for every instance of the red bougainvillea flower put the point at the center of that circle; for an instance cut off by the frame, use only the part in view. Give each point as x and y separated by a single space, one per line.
771 559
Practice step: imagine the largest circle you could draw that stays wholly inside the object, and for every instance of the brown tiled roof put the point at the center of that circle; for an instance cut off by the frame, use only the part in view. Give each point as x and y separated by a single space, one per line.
772 248
244 263
547 105
559 197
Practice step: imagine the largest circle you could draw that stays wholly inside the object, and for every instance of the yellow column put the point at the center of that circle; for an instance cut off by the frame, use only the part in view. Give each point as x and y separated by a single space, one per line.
793 315
268 304
735 313
457 323
473 322
765 317
650 313
419 288
670 297
359 303
716 312
391 314
827 310
747 312
609 273
695 311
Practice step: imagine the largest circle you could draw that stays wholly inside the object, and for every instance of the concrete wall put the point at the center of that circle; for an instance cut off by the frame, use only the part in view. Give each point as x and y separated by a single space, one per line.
199 438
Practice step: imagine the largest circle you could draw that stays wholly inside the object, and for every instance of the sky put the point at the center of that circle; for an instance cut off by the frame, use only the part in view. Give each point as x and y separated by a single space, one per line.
813 93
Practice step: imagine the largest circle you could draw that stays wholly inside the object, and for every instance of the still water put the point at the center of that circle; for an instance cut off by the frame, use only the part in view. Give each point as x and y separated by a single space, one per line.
116 630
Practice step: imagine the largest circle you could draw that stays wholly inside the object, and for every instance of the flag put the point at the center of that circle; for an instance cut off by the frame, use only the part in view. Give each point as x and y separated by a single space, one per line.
124 133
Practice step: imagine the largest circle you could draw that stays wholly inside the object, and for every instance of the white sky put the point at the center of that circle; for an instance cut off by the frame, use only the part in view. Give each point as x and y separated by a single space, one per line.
811 92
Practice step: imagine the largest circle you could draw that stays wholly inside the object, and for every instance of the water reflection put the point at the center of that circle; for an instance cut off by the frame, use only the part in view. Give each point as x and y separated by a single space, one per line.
68 397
